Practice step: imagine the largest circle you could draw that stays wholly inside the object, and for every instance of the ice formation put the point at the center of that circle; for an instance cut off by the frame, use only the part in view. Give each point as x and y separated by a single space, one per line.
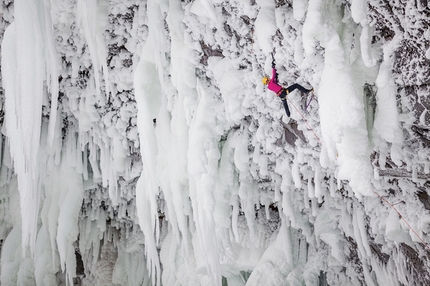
139 146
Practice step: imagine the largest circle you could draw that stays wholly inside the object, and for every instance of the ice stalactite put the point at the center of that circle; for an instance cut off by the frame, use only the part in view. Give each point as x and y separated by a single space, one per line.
341 106
70 201
387 124
203 185
92 15
23 78
17 265
149 97
52 67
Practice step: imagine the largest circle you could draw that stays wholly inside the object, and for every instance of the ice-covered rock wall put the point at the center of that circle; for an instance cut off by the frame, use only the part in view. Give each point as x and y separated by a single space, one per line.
139 146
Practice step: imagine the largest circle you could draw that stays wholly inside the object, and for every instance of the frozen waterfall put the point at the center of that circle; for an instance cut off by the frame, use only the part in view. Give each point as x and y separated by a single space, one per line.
139 146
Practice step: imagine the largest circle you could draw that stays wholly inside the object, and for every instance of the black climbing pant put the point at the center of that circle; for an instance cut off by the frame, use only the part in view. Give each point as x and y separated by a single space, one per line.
297 86
285 91
284 102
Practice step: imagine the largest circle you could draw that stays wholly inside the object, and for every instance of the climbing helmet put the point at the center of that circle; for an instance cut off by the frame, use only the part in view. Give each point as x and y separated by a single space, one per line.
265 80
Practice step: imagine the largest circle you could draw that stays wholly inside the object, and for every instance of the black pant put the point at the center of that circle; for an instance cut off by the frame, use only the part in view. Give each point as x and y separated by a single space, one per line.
285 91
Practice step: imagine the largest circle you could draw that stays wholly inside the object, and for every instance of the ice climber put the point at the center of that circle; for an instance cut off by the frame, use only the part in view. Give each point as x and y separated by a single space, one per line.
281 91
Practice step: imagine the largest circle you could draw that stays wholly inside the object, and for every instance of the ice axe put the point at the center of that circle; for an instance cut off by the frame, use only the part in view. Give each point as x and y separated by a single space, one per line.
309 103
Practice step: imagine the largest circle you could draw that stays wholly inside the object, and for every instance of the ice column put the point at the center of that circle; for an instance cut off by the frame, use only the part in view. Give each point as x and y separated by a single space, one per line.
340 92
23 77
148 97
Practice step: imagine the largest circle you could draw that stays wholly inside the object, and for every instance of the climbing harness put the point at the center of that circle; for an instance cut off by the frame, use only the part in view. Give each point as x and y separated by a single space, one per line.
279 92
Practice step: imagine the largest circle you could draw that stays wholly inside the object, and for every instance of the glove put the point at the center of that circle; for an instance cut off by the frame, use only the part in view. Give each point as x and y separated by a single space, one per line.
273 64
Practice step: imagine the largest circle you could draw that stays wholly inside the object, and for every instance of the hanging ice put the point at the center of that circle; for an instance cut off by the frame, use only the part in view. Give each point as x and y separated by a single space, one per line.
23 78
139 146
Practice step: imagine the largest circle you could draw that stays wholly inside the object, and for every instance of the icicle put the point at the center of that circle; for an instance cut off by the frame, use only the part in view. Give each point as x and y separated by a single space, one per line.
267 210
70 203
360 233
120 213
332 187
51 67
287 206
295 172
415 173
2 149
79 162
22 54
311 193
113 188
92 16
314 206
147 188
306 199
319 192
93 158
58 142
278 190
105 166
85 167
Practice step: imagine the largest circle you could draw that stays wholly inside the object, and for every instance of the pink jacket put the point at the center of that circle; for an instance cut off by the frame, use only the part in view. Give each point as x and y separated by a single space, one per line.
273 83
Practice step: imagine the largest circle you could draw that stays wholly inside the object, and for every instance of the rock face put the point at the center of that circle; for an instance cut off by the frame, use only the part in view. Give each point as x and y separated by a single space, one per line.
139 146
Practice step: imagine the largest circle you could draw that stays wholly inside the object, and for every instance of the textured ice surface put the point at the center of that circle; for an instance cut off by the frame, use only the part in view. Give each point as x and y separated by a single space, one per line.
139 146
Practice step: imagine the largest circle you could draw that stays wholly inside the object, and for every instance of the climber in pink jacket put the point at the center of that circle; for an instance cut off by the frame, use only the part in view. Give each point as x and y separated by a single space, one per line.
280 91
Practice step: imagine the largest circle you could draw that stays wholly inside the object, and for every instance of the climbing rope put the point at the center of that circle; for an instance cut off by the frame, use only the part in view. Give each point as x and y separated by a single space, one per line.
382 198
307 123
401 216
426 245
